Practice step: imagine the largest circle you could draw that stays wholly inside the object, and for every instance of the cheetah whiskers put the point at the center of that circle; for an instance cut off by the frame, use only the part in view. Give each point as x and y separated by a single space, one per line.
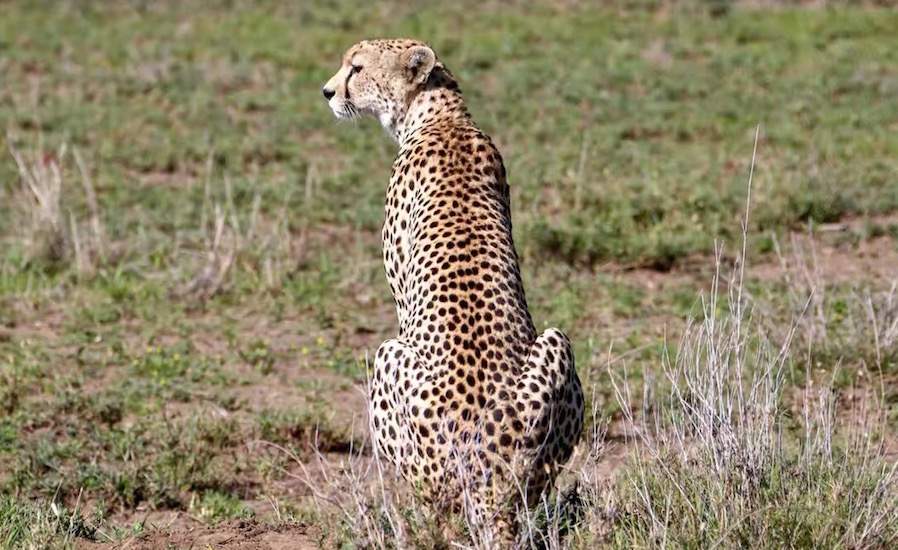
352 111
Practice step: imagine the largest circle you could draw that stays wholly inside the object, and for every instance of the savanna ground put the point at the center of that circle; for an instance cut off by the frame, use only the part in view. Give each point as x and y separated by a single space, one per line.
190 273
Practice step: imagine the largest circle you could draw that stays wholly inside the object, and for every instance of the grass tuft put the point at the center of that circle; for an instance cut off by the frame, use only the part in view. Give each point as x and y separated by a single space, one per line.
41 525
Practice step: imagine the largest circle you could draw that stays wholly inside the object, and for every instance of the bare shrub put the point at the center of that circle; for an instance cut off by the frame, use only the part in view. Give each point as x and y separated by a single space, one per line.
46 239
230 242
858 323
724 465
50 240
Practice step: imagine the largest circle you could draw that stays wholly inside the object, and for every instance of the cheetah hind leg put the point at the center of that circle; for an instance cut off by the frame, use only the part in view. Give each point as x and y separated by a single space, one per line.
396 408
391 431
551 397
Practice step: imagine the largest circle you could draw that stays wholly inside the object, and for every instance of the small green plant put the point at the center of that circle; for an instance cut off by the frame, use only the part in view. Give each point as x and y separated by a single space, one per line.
259 355
305 429
160 374
214 507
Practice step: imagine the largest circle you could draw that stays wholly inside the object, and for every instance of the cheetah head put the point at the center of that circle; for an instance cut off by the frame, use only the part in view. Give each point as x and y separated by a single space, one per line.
380 78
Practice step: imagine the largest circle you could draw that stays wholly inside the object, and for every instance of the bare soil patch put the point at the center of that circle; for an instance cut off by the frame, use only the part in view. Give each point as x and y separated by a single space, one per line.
871 261
830 256
242 535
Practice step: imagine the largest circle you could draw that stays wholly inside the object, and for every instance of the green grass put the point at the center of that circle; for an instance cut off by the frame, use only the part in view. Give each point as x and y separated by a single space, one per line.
41 525
632 149
226 285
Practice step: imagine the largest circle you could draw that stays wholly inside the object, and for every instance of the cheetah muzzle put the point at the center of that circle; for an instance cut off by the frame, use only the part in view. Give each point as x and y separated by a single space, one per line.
468 399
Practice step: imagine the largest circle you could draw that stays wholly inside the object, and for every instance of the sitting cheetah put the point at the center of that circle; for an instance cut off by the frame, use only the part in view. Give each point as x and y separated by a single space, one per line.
468 402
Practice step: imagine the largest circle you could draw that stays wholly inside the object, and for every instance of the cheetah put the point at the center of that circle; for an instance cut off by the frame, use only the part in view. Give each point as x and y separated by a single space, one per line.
469 403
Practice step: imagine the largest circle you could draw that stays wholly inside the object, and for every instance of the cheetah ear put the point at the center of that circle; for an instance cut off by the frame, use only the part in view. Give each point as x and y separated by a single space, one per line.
419 61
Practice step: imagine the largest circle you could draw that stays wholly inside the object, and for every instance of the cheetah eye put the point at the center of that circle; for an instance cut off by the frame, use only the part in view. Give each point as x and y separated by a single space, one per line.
355 69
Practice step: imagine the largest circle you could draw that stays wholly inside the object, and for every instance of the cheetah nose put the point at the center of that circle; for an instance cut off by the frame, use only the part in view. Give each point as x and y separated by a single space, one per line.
328 93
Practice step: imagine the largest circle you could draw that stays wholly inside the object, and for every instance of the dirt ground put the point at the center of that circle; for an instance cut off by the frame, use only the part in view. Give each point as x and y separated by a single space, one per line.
242 535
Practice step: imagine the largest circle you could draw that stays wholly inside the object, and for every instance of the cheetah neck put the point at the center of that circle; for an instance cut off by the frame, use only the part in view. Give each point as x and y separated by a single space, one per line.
439 102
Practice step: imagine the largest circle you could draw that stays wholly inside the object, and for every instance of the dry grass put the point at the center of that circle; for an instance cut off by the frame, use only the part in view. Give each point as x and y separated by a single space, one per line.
53 236
721 462
859 322
229 240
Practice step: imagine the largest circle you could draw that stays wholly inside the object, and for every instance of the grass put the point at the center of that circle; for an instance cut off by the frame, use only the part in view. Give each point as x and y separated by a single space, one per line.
41 525
190 273
731 458
645 118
